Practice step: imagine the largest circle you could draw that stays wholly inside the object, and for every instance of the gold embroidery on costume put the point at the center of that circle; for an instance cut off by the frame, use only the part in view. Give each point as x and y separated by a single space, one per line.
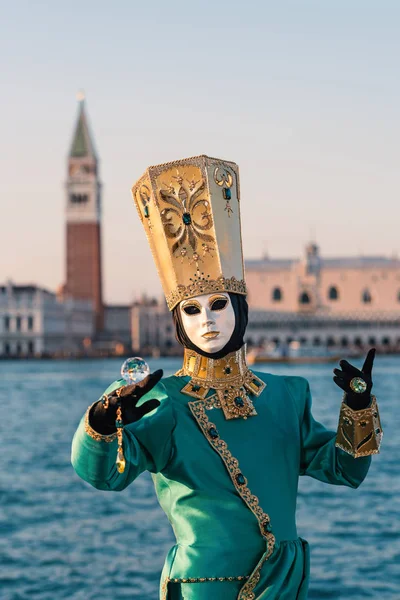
168 580
198 409
359 431
93 434
229 376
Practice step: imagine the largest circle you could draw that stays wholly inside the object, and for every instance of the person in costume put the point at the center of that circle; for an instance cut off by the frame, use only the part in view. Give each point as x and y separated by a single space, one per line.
225 445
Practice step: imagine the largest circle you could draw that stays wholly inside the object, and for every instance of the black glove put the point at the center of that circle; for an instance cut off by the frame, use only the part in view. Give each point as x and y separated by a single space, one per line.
103 419
343 377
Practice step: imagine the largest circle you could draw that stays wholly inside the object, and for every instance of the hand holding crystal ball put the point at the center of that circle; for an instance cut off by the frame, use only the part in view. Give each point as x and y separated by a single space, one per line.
134 370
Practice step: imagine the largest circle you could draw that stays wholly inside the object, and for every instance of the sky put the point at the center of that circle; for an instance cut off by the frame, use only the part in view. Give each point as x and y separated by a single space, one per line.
303 94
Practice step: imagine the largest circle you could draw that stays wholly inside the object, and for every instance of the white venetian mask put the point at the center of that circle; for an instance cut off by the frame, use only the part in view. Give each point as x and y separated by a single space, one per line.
209 320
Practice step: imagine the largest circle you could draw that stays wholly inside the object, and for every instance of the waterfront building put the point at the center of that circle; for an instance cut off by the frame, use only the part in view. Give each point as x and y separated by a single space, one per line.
35 322
83 220
349 301
152 327
116 335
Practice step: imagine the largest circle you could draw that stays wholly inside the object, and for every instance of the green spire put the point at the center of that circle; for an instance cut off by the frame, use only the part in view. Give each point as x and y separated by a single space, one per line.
82 143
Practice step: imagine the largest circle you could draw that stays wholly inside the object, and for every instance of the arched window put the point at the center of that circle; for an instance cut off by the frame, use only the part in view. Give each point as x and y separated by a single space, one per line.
333 293
366 297
386 341
304 298
372 341
358 342
277 294
317 341
344 342
330 342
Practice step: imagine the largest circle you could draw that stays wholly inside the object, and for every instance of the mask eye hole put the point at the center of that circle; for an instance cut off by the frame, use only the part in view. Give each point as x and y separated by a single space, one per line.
218 303
191 309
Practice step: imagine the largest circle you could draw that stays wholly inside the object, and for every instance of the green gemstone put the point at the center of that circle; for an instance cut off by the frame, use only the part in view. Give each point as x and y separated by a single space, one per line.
227 193
267 527
146 212
213 433
240 479
239 402
358 385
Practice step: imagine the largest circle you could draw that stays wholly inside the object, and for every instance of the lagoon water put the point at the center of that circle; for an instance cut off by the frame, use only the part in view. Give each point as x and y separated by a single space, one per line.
61 538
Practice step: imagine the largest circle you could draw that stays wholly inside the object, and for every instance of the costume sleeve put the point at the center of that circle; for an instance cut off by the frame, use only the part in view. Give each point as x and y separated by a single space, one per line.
320 458
147 445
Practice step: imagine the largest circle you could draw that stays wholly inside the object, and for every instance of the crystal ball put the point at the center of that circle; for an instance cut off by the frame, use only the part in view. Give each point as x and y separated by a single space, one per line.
134 370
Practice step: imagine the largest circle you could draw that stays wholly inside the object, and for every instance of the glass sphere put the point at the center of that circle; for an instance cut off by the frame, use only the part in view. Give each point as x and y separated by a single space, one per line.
134 370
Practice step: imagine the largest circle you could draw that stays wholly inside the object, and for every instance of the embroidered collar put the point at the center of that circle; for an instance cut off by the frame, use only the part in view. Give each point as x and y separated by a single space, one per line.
230 377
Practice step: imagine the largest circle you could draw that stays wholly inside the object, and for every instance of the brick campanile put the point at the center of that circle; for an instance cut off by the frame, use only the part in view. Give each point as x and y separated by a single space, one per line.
83 216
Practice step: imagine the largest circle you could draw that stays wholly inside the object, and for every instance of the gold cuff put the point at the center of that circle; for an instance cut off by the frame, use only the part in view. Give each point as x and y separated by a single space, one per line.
359 431
99 437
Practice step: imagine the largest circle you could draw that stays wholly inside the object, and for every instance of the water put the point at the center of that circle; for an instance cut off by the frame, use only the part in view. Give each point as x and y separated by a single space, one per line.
61 538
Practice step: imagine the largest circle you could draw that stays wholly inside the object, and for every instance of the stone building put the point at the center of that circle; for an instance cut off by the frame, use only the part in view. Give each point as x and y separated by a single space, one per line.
325 301
152 327
117 323
35 322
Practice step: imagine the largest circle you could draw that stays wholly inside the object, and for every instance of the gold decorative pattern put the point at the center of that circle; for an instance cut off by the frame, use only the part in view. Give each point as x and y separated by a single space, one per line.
183 207
359 431
203 285
187 215
229 376
93 434
231 463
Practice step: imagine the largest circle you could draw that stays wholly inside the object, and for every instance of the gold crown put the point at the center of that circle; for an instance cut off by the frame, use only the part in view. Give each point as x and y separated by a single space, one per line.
191 214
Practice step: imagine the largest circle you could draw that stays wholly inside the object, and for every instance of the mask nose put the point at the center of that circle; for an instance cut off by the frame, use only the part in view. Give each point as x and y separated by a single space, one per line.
208 319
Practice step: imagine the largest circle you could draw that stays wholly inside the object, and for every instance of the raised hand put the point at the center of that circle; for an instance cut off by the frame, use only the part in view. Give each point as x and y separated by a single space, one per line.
357 384
103 413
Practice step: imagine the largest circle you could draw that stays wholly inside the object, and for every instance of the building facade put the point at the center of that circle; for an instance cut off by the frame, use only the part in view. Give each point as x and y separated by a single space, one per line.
83 221
34 322
325 301
116 334
152 327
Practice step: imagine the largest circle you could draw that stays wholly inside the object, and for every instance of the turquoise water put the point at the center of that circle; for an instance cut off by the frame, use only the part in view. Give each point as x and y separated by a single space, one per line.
61 538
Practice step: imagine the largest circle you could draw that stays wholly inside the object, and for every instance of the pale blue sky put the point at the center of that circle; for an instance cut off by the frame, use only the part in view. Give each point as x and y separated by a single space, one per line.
303 95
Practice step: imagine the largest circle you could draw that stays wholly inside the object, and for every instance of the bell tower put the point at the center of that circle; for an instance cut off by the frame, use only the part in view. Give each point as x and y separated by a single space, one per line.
83 218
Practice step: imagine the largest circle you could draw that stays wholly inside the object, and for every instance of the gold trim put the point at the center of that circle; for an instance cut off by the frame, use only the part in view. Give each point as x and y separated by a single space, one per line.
167 580
198 409
93 434
205 579
203 285
229 376
359 431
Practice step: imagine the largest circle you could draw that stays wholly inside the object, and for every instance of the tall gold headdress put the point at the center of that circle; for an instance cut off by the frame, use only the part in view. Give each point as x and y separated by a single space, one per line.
190 210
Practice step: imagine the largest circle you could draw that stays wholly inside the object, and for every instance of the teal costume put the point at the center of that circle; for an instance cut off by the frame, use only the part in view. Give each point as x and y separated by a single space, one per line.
228 487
